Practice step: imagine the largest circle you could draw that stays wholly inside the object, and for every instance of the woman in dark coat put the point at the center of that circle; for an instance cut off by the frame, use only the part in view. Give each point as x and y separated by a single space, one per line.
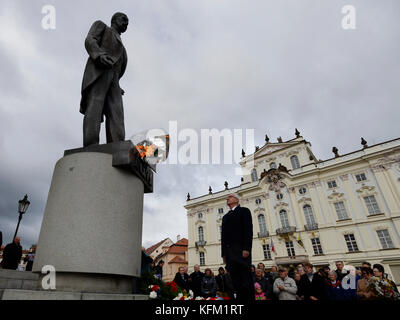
208 284
334 289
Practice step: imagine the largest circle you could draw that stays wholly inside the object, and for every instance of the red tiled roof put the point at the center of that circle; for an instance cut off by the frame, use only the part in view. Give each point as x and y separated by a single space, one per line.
177 249
154 246
178 259
182 242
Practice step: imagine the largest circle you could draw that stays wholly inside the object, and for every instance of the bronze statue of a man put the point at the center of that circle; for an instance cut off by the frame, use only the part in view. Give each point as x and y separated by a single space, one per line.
101 93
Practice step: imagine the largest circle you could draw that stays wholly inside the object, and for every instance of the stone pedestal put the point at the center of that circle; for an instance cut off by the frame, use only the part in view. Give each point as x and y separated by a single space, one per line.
92 225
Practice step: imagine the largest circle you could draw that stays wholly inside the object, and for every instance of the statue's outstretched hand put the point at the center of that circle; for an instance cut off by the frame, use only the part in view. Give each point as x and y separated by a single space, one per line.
106 60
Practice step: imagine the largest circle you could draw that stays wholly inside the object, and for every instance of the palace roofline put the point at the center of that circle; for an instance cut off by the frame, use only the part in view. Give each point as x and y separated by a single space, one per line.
320 165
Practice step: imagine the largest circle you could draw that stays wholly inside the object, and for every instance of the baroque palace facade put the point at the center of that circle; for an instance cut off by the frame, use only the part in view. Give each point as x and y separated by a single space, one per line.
308 210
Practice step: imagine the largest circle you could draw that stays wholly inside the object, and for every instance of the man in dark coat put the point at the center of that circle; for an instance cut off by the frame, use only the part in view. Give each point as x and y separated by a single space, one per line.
101 93
312 285
195 280
340 272
264 283
236 244
182 279
12 255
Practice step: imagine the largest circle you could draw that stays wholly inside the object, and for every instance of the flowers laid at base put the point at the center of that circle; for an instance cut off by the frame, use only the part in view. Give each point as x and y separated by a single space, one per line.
156 293
383 289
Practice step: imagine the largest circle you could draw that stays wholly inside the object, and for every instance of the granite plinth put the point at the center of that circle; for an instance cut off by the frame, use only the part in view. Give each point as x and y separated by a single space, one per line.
92 225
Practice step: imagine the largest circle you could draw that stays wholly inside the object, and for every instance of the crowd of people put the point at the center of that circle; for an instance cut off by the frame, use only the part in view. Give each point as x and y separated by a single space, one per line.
299 283
203 284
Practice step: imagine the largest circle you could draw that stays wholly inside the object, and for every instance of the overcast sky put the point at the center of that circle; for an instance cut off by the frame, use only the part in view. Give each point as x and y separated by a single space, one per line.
271 66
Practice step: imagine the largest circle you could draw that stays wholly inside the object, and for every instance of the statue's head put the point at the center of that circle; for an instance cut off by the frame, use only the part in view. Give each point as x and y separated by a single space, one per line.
120 22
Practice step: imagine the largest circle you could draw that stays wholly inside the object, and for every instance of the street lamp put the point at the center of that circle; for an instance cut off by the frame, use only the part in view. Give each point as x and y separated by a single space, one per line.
22 207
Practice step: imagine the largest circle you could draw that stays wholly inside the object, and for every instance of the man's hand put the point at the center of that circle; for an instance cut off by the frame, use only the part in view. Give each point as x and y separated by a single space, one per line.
313 298
282 288
245 253
106 60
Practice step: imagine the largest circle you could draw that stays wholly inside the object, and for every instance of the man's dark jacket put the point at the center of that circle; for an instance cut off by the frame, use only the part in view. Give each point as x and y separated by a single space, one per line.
341 275
224 284
195 283
101 40
182 282
12 256
315 288
237 235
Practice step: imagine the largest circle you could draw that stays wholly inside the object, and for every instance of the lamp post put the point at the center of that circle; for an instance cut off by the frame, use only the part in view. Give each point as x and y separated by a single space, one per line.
22 207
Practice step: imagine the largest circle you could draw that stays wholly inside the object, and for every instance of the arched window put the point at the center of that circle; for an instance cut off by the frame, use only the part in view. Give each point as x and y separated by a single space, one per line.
200 215
261 223
272 165
295 162
308 213
284 218
254 175
201 234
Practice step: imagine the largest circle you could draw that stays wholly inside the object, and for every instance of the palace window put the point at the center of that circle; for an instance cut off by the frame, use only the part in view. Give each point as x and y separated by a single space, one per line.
279 196
385 239
202 259
201 234
284 218
308 213
267 252
290 248
361 177
332 184
200 215
220 210
372 205
351 242
258 201
254 175
295 162
272 165
316 244
341 210
261 223
302 190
